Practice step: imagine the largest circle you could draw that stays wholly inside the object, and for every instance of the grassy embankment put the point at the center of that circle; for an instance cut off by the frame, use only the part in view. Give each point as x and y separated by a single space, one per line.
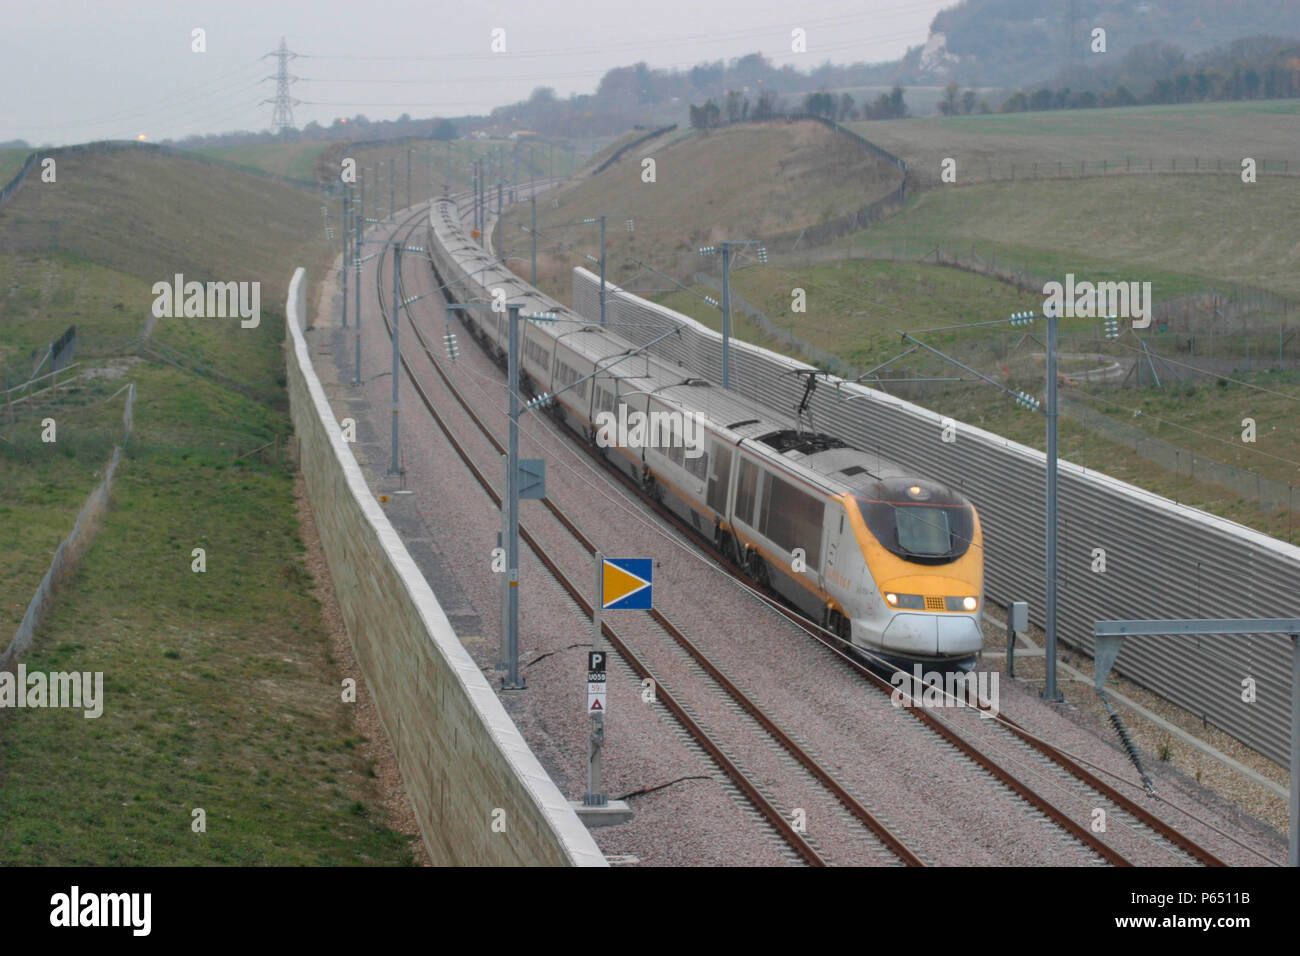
220 689
724 184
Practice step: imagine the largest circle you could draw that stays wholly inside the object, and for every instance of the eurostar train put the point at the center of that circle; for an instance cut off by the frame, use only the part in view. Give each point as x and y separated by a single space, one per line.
886 559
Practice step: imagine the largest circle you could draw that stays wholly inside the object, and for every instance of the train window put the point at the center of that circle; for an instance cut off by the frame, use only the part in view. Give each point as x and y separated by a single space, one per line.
675 450
792 518
745 492
536 352
720 481
934 533
923 531
699 466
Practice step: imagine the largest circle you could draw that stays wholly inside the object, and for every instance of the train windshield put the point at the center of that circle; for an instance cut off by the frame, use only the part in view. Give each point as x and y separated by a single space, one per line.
923 531
931 532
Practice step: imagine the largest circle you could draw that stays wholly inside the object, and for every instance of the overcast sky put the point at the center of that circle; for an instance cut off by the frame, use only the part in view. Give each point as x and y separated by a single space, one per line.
74 72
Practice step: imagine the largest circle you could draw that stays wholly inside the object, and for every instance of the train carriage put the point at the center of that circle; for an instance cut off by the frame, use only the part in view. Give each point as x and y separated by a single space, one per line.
890 561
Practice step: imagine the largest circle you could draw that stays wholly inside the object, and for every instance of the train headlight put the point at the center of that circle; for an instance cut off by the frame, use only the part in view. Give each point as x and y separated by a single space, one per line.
913 601
961 603
892 599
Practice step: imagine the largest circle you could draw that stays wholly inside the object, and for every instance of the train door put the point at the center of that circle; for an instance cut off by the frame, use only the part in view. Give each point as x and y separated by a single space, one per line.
839 549
719 486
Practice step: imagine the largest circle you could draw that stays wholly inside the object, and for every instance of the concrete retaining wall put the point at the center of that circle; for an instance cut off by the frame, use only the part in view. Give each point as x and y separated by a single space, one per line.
461 757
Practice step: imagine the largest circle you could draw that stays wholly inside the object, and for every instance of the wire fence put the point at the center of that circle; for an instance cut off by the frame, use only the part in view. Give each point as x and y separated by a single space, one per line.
864 215
70 550
223 447
967 171
618 154
1183 463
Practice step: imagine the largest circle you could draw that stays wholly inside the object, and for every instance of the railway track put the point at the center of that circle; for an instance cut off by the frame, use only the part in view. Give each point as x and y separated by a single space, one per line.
780 821
1049 764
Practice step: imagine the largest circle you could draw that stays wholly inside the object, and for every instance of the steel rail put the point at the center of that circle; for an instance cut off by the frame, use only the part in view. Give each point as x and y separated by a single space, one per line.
747 786
1124 803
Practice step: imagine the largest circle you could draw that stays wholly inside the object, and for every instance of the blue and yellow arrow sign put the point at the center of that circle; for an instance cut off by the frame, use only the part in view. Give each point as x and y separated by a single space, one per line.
626 584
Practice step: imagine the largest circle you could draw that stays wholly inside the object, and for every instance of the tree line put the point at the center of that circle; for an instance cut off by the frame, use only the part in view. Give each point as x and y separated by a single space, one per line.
735 108
1247 69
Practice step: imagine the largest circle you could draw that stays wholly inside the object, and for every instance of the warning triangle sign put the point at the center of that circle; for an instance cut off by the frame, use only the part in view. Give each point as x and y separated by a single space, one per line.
595 704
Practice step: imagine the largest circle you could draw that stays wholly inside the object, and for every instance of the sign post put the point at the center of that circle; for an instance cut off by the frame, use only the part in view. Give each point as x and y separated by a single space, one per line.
613 587
596 710
596 699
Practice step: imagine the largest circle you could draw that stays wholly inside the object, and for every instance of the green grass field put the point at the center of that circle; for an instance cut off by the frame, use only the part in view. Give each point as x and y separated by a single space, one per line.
1184 234
855 307
38 292
221 692
295 160
1263 129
